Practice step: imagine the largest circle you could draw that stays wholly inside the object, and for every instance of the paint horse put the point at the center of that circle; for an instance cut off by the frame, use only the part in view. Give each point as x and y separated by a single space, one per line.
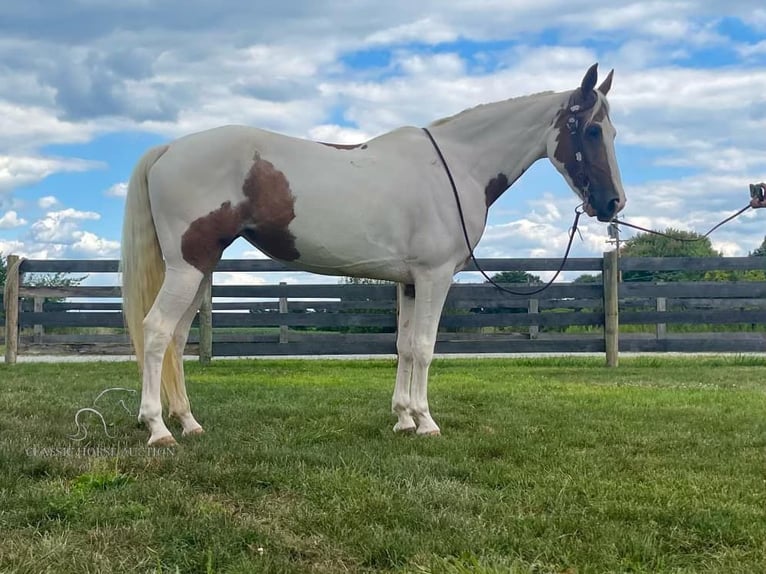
384 209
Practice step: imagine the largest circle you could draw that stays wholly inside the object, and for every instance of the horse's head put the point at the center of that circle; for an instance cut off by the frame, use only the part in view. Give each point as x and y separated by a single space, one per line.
581 147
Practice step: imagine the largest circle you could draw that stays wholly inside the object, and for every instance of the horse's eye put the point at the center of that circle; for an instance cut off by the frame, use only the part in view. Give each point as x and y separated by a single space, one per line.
593 132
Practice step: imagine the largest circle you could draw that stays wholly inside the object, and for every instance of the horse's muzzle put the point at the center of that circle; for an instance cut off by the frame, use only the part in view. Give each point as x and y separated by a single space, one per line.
602 211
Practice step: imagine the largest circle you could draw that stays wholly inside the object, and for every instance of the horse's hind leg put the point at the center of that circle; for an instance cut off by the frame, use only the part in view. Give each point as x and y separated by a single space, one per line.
400 403
178 403
177 294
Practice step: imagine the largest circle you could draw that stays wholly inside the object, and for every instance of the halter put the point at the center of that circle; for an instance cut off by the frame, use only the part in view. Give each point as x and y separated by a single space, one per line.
576 168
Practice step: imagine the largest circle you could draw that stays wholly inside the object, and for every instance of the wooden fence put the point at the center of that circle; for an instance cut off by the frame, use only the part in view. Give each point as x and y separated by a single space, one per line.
335 318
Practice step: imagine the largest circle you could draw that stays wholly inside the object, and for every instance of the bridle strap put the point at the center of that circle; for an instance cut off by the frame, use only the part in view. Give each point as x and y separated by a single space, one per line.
576 112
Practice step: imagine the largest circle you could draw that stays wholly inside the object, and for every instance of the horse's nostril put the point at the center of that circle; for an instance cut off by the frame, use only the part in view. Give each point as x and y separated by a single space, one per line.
612 206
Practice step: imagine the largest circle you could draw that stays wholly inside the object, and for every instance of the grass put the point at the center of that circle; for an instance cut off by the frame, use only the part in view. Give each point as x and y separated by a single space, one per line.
545 465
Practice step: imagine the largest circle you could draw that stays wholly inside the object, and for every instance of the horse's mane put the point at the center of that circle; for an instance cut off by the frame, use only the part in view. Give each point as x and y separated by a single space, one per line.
448 119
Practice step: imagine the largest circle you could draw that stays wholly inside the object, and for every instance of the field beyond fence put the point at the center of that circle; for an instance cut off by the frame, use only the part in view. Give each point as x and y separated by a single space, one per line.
605 315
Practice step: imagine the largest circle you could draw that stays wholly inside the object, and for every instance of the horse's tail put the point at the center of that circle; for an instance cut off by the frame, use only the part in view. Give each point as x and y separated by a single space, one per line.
143 269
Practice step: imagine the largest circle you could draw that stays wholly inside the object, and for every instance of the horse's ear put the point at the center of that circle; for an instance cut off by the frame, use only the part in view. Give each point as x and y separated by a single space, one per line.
589 80
606 85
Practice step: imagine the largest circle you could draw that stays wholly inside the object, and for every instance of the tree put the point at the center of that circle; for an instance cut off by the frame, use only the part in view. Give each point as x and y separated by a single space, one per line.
363 281
759 251
517 277
3 274
691 244
3 271
588 278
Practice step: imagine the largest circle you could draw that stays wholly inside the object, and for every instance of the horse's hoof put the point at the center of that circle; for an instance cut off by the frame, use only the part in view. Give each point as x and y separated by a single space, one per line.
194 432
435 432
163 441
404 430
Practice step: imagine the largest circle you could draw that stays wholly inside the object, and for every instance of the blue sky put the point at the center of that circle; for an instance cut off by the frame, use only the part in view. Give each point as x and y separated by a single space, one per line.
87 86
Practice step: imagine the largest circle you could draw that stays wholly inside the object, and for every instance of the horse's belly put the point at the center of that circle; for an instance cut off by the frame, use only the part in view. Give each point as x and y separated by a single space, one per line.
351 251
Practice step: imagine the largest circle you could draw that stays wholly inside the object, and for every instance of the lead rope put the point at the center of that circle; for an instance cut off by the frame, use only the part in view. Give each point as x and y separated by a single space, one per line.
573 229
684 239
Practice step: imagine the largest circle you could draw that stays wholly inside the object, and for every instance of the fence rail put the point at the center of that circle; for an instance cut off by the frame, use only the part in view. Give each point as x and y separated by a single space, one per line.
339 318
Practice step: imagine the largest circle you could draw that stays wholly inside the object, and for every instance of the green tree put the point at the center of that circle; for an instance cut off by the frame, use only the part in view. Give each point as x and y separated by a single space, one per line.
3 271
588 278
517 277
363 281
759 251
688 244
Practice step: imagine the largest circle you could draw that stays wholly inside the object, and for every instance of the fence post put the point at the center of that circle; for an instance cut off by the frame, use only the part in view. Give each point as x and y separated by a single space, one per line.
283 330
611 307
11 300
662 328
38 328
533 309
206 324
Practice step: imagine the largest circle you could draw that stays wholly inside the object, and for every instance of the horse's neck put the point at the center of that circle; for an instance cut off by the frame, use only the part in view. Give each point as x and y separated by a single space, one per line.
500 138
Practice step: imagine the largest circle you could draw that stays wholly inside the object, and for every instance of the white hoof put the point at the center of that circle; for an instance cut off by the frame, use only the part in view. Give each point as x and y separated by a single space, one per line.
399 428
194 431
163 441
427 426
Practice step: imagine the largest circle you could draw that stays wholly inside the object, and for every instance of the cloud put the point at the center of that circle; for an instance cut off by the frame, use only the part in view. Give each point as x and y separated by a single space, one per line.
11 220
117 190
18 171
89 245
47 202
25 127
337 134
428 30
60 226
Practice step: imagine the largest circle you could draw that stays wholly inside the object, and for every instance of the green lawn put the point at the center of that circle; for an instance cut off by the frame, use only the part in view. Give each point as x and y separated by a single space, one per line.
549 465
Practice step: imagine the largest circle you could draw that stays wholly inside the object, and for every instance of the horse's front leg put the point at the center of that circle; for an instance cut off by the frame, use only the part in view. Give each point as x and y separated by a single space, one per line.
430 293
400 403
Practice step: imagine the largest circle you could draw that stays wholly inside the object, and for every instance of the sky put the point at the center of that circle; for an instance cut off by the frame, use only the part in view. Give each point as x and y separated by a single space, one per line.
86 86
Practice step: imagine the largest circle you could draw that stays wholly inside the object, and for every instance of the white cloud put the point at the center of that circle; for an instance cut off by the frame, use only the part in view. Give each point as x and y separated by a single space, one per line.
47 202
11 220
24 127
12 247
117 190
60 226
337 134
428 30
89 245
17 171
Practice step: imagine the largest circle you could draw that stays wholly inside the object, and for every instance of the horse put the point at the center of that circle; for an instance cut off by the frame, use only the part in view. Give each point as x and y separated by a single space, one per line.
407 206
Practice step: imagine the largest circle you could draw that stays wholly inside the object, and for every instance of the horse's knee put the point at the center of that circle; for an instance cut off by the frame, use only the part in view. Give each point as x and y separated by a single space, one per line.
422 351
157 335
404 348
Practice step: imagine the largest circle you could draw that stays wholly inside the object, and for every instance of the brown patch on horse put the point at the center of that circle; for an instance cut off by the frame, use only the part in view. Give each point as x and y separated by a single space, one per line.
262 218
595 164
495 188
345 146
271 209
565 151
